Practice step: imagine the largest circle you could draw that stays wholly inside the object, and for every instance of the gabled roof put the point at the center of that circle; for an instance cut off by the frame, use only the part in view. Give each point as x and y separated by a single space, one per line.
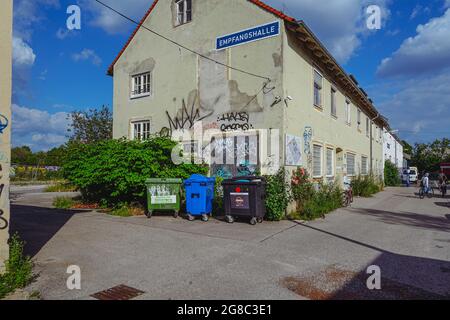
259 3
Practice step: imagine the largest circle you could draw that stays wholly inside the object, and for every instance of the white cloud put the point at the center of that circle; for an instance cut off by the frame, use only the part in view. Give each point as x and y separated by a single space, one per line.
426 52
339 24
38 129
420 108
111 22
87 55
23 54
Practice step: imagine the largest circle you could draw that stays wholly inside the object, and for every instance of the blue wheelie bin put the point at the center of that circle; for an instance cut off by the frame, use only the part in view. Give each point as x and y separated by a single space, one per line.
199 196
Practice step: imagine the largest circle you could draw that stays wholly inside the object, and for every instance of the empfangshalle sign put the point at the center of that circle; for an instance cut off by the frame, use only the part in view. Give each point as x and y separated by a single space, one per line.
249 35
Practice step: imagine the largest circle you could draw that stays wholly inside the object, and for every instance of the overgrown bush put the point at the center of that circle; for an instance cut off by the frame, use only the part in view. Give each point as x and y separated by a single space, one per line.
313 202
365 186
18 268
278 196
391 174
113 172
326 199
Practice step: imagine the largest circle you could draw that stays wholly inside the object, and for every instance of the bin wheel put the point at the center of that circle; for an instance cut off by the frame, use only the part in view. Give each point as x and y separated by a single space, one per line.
176 214
149 214
253 221
259 220
190 217
229 219
205 218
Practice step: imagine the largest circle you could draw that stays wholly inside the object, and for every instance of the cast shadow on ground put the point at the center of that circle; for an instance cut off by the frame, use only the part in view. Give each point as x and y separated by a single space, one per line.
402 278
37 225
416 220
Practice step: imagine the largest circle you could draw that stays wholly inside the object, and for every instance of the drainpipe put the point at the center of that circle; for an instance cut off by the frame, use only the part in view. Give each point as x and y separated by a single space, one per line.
371 142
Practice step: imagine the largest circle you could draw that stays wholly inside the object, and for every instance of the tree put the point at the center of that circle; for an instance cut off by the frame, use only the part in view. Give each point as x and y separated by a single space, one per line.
22 155
407 148
91 126
427 157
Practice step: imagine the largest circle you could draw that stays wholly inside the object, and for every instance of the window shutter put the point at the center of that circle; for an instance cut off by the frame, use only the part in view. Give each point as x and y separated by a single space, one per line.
317 161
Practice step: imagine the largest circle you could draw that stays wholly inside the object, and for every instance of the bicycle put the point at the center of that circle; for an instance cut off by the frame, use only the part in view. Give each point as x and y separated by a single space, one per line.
429 193
347 197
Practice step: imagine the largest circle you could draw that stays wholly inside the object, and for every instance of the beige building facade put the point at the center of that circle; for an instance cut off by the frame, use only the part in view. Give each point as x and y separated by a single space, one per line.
286 85
5 123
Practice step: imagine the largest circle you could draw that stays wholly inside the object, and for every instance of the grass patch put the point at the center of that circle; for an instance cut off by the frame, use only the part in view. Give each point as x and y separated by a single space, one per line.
127 211
63 203
18 268
61 187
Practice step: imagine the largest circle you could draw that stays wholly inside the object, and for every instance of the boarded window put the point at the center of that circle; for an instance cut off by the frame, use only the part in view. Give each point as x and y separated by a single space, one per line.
348 112
318 84
333 102
330 169
350 164
317 161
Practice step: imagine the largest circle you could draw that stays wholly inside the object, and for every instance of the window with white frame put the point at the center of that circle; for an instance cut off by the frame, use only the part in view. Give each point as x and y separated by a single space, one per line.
317 160
348 112
363 165
333 102
141 85
318 84
351 164
140 130
330 162
184 11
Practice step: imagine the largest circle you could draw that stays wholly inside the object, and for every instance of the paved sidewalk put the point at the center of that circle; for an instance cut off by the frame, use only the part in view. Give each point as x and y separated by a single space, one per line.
406 237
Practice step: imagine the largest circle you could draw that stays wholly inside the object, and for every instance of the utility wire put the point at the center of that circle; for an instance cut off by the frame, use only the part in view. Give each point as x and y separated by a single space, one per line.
180 45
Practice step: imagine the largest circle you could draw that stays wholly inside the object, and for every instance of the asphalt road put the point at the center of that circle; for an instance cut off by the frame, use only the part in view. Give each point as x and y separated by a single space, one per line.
406 237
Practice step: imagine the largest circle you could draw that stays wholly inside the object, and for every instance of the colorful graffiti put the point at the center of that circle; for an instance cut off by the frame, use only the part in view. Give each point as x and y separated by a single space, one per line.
4 122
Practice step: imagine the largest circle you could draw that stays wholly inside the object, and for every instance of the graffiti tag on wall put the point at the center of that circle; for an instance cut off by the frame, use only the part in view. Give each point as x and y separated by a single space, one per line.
188 118
233 121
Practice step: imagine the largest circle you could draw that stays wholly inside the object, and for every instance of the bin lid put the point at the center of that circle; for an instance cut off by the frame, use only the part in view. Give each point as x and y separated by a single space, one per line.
163 180
199 178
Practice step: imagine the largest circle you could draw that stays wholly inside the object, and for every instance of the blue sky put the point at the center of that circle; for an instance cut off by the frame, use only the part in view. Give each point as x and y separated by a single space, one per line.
404 66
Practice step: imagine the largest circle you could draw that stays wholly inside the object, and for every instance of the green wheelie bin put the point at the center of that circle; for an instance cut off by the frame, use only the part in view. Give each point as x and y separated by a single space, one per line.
163 195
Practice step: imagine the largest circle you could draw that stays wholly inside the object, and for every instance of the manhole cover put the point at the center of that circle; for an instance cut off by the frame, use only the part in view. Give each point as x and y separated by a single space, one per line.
121 292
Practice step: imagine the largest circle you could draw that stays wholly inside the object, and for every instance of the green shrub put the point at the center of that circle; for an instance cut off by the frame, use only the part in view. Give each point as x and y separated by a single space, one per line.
18 268
123 211
63 203
278 196
365 186
391 174
113 172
